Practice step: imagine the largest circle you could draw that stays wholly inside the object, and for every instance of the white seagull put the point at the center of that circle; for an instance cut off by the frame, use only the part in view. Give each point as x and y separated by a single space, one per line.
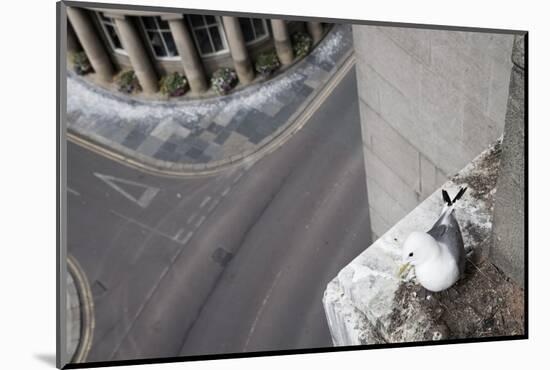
438 256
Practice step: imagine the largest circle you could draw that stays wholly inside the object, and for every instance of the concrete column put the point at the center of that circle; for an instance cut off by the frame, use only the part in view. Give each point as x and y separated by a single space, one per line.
133 45
237 46
315 30
283 45
508 243
92 45
190 59
72 41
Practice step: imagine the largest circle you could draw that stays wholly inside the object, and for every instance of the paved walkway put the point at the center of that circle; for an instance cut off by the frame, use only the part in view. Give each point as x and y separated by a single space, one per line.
79 314
73 317
204 133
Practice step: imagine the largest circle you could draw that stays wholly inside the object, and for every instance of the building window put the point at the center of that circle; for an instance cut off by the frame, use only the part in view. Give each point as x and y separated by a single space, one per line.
208 34
159 37
111 32
253 29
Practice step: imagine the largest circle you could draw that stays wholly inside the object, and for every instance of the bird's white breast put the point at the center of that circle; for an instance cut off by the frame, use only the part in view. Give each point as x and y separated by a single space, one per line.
437 274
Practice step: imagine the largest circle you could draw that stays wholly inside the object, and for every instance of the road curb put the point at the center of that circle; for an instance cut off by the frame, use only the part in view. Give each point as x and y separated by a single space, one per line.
86 310
171 169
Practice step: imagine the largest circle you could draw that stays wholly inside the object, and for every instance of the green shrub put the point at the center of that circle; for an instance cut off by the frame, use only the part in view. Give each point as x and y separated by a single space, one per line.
127 82
174 84
301 44
267 63
81 63
223 80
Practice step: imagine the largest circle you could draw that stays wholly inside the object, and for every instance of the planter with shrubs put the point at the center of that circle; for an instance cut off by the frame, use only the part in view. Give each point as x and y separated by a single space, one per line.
223 80
81 63
174 84
267 63
127 82
301 44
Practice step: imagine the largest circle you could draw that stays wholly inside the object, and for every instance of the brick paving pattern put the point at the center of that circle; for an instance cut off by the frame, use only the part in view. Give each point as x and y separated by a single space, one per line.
205 130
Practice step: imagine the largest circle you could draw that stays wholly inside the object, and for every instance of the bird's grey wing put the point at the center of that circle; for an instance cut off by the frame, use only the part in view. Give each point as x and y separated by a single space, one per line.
450 236
437 230
437 224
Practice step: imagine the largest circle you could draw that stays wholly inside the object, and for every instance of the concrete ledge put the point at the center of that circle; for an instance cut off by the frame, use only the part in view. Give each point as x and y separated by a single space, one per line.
367 303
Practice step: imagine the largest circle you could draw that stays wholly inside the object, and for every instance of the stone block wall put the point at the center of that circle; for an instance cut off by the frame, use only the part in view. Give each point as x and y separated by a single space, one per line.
508 249
430 101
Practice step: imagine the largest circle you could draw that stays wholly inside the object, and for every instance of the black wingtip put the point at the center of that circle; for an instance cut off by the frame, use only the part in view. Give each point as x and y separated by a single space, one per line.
460 194
446 197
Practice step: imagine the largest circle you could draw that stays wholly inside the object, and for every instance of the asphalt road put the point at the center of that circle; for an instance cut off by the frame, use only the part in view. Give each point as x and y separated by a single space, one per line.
233 262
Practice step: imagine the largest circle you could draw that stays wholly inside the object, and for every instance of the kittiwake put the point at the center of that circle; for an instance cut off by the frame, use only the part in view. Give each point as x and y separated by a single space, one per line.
438 256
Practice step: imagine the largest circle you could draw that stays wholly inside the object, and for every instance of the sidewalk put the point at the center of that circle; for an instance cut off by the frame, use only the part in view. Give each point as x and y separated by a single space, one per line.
207 133
73 317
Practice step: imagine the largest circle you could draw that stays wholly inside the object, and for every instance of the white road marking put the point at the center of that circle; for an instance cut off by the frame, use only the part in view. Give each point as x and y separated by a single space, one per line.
187 238
213 205
73 192
178 234
226 190
205 201
144 200
141 224
191 218
247 165
260 311
239 175
200 221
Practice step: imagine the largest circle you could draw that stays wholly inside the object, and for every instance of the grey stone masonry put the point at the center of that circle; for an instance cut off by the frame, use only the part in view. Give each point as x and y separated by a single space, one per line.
507 251
239 52
133 45
72 41
283 46
315 30
430 101
190 59
91 43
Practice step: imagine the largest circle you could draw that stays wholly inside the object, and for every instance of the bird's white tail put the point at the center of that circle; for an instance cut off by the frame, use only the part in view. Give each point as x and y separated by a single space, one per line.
449 204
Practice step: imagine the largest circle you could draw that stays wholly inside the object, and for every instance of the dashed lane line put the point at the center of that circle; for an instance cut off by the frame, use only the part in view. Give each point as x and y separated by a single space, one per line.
178 234
224 193
238 177
213 205
205 201
191 218
187 238
200 221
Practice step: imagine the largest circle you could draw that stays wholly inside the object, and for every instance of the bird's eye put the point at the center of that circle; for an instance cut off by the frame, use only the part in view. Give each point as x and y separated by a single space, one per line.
411 254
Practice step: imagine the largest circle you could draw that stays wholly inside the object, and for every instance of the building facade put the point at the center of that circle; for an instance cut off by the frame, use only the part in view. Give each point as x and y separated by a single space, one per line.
430 102
154 44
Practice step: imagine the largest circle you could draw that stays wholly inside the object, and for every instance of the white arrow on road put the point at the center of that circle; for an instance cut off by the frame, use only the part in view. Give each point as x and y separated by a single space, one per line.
144 199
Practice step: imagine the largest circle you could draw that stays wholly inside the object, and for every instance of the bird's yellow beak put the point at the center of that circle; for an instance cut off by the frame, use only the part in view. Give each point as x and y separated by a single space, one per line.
404 269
